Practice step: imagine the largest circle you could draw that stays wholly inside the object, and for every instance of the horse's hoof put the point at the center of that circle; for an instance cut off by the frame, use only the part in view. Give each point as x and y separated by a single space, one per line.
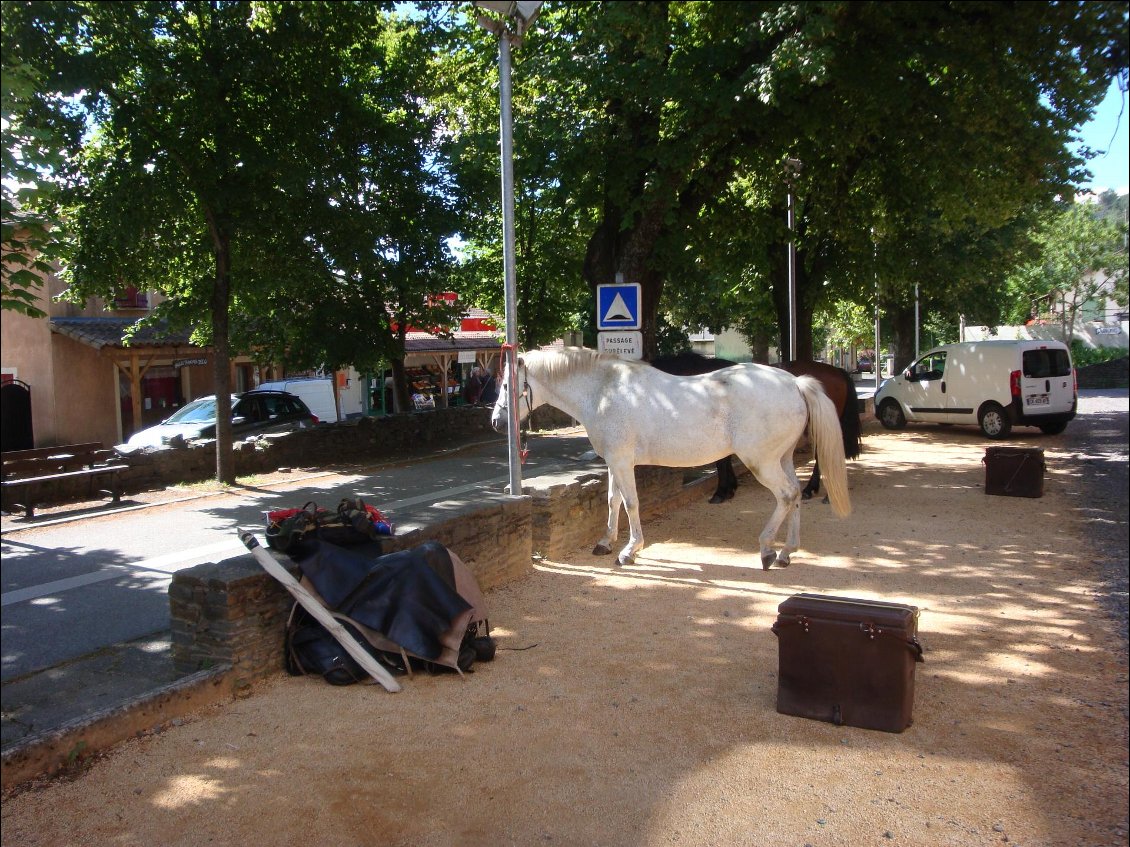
767 559
601 550
626 560
806 495
717 498
825 500
783 561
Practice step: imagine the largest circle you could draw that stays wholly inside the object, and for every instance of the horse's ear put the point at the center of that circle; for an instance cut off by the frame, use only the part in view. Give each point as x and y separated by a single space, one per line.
521 362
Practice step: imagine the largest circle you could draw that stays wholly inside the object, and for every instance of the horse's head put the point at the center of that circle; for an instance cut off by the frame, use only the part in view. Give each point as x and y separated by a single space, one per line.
523 395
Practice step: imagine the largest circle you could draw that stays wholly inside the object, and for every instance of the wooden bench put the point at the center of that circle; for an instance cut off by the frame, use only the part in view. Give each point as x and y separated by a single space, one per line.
28 474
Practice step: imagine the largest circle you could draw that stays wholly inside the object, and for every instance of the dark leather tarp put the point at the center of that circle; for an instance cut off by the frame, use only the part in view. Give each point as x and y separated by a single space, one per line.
412 598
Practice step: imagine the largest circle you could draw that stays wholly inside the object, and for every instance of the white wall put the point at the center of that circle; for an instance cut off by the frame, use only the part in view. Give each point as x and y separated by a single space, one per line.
1090 333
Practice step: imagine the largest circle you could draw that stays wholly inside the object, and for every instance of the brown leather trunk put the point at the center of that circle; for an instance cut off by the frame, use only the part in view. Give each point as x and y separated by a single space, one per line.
1014 471
847 661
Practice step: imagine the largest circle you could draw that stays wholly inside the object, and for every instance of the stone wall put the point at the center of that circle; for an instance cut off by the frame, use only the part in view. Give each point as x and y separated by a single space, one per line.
363 440
235 613
1112 374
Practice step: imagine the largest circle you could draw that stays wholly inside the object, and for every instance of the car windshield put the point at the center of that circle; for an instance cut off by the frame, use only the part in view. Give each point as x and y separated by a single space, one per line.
201 410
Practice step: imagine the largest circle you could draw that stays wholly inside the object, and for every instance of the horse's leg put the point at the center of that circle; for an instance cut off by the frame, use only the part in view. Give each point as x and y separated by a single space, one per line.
727 481
781 480
622 489
615 498
813 482
626 480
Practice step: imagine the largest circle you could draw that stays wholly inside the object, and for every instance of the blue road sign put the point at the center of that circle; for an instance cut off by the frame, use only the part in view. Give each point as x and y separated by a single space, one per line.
618 306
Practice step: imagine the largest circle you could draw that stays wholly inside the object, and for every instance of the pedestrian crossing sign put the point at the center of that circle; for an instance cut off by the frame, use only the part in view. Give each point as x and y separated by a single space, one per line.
618 306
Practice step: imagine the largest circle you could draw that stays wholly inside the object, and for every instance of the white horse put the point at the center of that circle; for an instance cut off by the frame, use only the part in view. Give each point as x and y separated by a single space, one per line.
637 415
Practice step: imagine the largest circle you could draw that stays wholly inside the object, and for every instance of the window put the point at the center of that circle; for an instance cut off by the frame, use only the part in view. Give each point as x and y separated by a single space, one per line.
929 367
131 298
1044 364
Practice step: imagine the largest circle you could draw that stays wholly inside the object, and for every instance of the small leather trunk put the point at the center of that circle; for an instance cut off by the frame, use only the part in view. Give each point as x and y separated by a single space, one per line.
847 661
1014 471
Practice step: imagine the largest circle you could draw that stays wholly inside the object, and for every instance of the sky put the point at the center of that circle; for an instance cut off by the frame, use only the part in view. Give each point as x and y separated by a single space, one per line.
1108 131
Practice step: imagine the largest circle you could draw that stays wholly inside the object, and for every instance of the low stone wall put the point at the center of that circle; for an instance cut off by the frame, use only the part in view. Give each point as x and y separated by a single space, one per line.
361 440
1112 374
234 613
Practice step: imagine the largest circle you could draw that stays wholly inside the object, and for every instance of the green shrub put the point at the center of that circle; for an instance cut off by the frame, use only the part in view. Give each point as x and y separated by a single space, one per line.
1082 355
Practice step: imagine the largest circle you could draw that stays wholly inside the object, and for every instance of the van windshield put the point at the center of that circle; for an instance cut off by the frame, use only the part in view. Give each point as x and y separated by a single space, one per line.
1042 364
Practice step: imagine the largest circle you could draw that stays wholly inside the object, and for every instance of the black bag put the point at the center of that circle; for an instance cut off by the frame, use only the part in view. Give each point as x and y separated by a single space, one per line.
354 522
310 649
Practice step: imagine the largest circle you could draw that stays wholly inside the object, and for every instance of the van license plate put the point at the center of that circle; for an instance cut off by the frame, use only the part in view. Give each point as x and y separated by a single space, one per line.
1036 400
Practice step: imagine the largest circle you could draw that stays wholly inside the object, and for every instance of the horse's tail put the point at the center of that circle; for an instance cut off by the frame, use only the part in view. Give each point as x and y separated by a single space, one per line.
849 420
824 431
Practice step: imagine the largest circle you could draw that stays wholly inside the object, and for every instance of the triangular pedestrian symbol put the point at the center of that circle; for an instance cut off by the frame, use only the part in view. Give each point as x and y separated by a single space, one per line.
618 311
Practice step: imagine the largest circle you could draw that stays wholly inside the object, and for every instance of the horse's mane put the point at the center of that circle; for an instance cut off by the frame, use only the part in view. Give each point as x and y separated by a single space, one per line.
570 360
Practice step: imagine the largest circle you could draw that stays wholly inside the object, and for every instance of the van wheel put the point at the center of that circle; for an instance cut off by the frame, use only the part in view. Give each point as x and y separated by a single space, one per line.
891 416
1053 429
994 421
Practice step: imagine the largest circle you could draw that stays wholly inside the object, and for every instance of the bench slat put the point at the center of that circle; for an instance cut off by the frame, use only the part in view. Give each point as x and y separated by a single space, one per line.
44 452
29 483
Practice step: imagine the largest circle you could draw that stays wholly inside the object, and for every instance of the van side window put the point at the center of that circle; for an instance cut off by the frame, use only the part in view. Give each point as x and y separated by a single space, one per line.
930 367
1042 364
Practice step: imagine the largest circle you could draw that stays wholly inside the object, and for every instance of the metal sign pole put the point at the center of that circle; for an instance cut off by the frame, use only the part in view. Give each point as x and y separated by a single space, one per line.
509 262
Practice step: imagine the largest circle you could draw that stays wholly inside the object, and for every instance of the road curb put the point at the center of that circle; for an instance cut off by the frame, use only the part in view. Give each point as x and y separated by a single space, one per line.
67 746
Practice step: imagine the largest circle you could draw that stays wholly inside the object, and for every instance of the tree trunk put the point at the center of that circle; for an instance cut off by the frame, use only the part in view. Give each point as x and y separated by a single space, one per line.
900 323
400 401
613 251
221 364
805 283
759 347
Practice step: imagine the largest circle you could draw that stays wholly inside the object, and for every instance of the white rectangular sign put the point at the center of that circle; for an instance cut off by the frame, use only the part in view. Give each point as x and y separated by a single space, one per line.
626 344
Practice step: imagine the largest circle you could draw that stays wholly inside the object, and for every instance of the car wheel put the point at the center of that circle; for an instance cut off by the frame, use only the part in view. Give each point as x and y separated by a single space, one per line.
1053 429
994 421
891 416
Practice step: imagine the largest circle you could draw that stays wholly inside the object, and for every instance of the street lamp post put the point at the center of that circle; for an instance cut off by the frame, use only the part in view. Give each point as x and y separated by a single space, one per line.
519 16
792 169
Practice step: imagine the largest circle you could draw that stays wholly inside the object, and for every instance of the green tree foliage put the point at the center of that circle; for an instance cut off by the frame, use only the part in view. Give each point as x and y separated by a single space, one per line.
1080 261
263 165
30 238
930 134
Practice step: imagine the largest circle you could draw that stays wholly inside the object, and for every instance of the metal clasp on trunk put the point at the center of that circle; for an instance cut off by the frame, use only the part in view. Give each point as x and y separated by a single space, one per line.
870 629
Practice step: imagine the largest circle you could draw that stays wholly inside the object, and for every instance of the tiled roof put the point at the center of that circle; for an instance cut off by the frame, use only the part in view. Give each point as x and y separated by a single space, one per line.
108 332
423 342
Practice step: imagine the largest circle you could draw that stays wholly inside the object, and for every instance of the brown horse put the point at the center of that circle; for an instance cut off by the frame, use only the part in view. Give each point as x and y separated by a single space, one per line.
837 384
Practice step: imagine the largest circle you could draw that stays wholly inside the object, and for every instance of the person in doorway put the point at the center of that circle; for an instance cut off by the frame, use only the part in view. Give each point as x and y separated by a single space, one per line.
473 388
489 394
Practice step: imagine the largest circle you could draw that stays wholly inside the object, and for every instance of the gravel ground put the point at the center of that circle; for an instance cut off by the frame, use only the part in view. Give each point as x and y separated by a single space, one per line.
636 706
1096 444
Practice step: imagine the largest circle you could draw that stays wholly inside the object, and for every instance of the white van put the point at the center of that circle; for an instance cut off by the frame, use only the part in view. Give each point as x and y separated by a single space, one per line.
994 384
317 393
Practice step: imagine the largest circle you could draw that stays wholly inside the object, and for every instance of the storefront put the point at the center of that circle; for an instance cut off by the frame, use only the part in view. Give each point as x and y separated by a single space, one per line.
436 369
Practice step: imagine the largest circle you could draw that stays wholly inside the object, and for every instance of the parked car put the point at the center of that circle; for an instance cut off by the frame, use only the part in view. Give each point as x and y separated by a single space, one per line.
863 365
993 384
252 413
